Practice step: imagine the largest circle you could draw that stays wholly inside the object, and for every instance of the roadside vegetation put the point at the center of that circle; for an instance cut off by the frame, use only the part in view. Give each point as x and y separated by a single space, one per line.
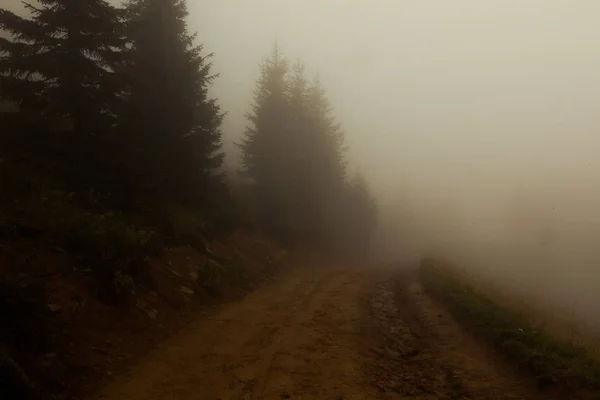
551 362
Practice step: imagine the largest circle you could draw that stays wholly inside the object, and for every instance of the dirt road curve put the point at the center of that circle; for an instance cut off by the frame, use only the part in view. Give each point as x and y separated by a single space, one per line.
322 334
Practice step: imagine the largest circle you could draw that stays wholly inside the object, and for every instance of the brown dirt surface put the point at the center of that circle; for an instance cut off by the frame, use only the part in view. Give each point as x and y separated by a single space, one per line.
322 333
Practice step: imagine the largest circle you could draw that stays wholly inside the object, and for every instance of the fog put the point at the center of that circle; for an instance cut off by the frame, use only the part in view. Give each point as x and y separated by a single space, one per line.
477 123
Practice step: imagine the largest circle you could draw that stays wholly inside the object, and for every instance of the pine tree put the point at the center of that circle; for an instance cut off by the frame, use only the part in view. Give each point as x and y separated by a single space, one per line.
57 63
57 66
266 154
172 124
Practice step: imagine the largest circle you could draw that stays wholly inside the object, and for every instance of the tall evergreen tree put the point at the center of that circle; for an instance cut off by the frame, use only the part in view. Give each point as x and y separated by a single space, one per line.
266 154
58 63
57 66
293 152
172 125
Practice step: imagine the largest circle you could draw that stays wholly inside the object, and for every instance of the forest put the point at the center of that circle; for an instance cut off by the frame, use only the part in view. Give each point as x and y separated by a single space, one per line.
110 135
111 153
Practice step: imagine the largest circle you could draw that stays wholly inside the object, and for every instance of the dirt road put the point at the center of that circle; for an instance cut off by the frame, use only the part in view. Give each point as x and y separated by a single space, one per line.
325 333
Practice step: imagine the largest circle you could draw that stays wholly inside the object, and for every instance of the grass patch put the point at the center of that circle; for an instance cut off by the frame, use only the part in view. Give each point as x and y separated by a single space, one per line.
551 362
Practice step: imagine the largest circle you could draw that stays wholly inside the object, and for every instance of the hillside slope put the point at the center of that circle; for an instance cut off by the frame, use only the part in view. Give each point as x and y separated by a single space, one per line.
67 336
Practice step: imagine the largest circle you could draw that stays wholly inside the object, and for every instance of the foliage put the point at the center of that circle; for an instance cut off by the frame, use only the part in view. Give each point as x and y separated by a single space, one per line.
264 146
56 68
102 109
293 156
58 62
114 145
171 125
550 361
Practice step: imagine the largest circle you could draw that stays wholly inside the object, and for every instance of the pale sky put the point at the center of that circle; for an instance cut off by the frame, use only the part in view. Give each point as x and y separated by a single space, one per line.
459 113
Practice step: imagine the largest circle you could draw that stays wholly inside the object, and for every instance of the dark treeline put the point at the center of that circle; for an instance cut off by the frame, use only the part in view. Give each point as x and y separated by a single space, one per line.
113 117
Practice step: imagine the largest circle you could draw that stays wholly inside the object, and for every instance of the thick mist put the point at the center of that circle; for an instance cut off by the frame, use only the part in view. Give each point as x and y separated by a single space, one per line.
476 123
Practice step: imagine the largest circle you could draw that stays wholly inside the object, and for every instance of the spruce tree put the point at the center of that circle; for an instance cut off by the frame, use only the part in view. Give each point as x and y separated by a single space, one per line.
172 124
58 63
266 154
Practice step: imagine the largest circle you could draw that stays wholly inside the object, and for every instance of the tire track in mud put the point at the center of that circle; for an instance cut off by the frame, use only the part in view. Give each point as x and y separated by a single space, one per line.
306 304
320 360
255 333
405 363
423 354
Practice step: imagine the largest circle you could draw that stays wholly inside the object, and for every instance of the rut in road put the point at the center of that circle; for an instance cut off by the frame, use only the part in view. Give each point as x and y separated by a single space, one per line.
328 333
